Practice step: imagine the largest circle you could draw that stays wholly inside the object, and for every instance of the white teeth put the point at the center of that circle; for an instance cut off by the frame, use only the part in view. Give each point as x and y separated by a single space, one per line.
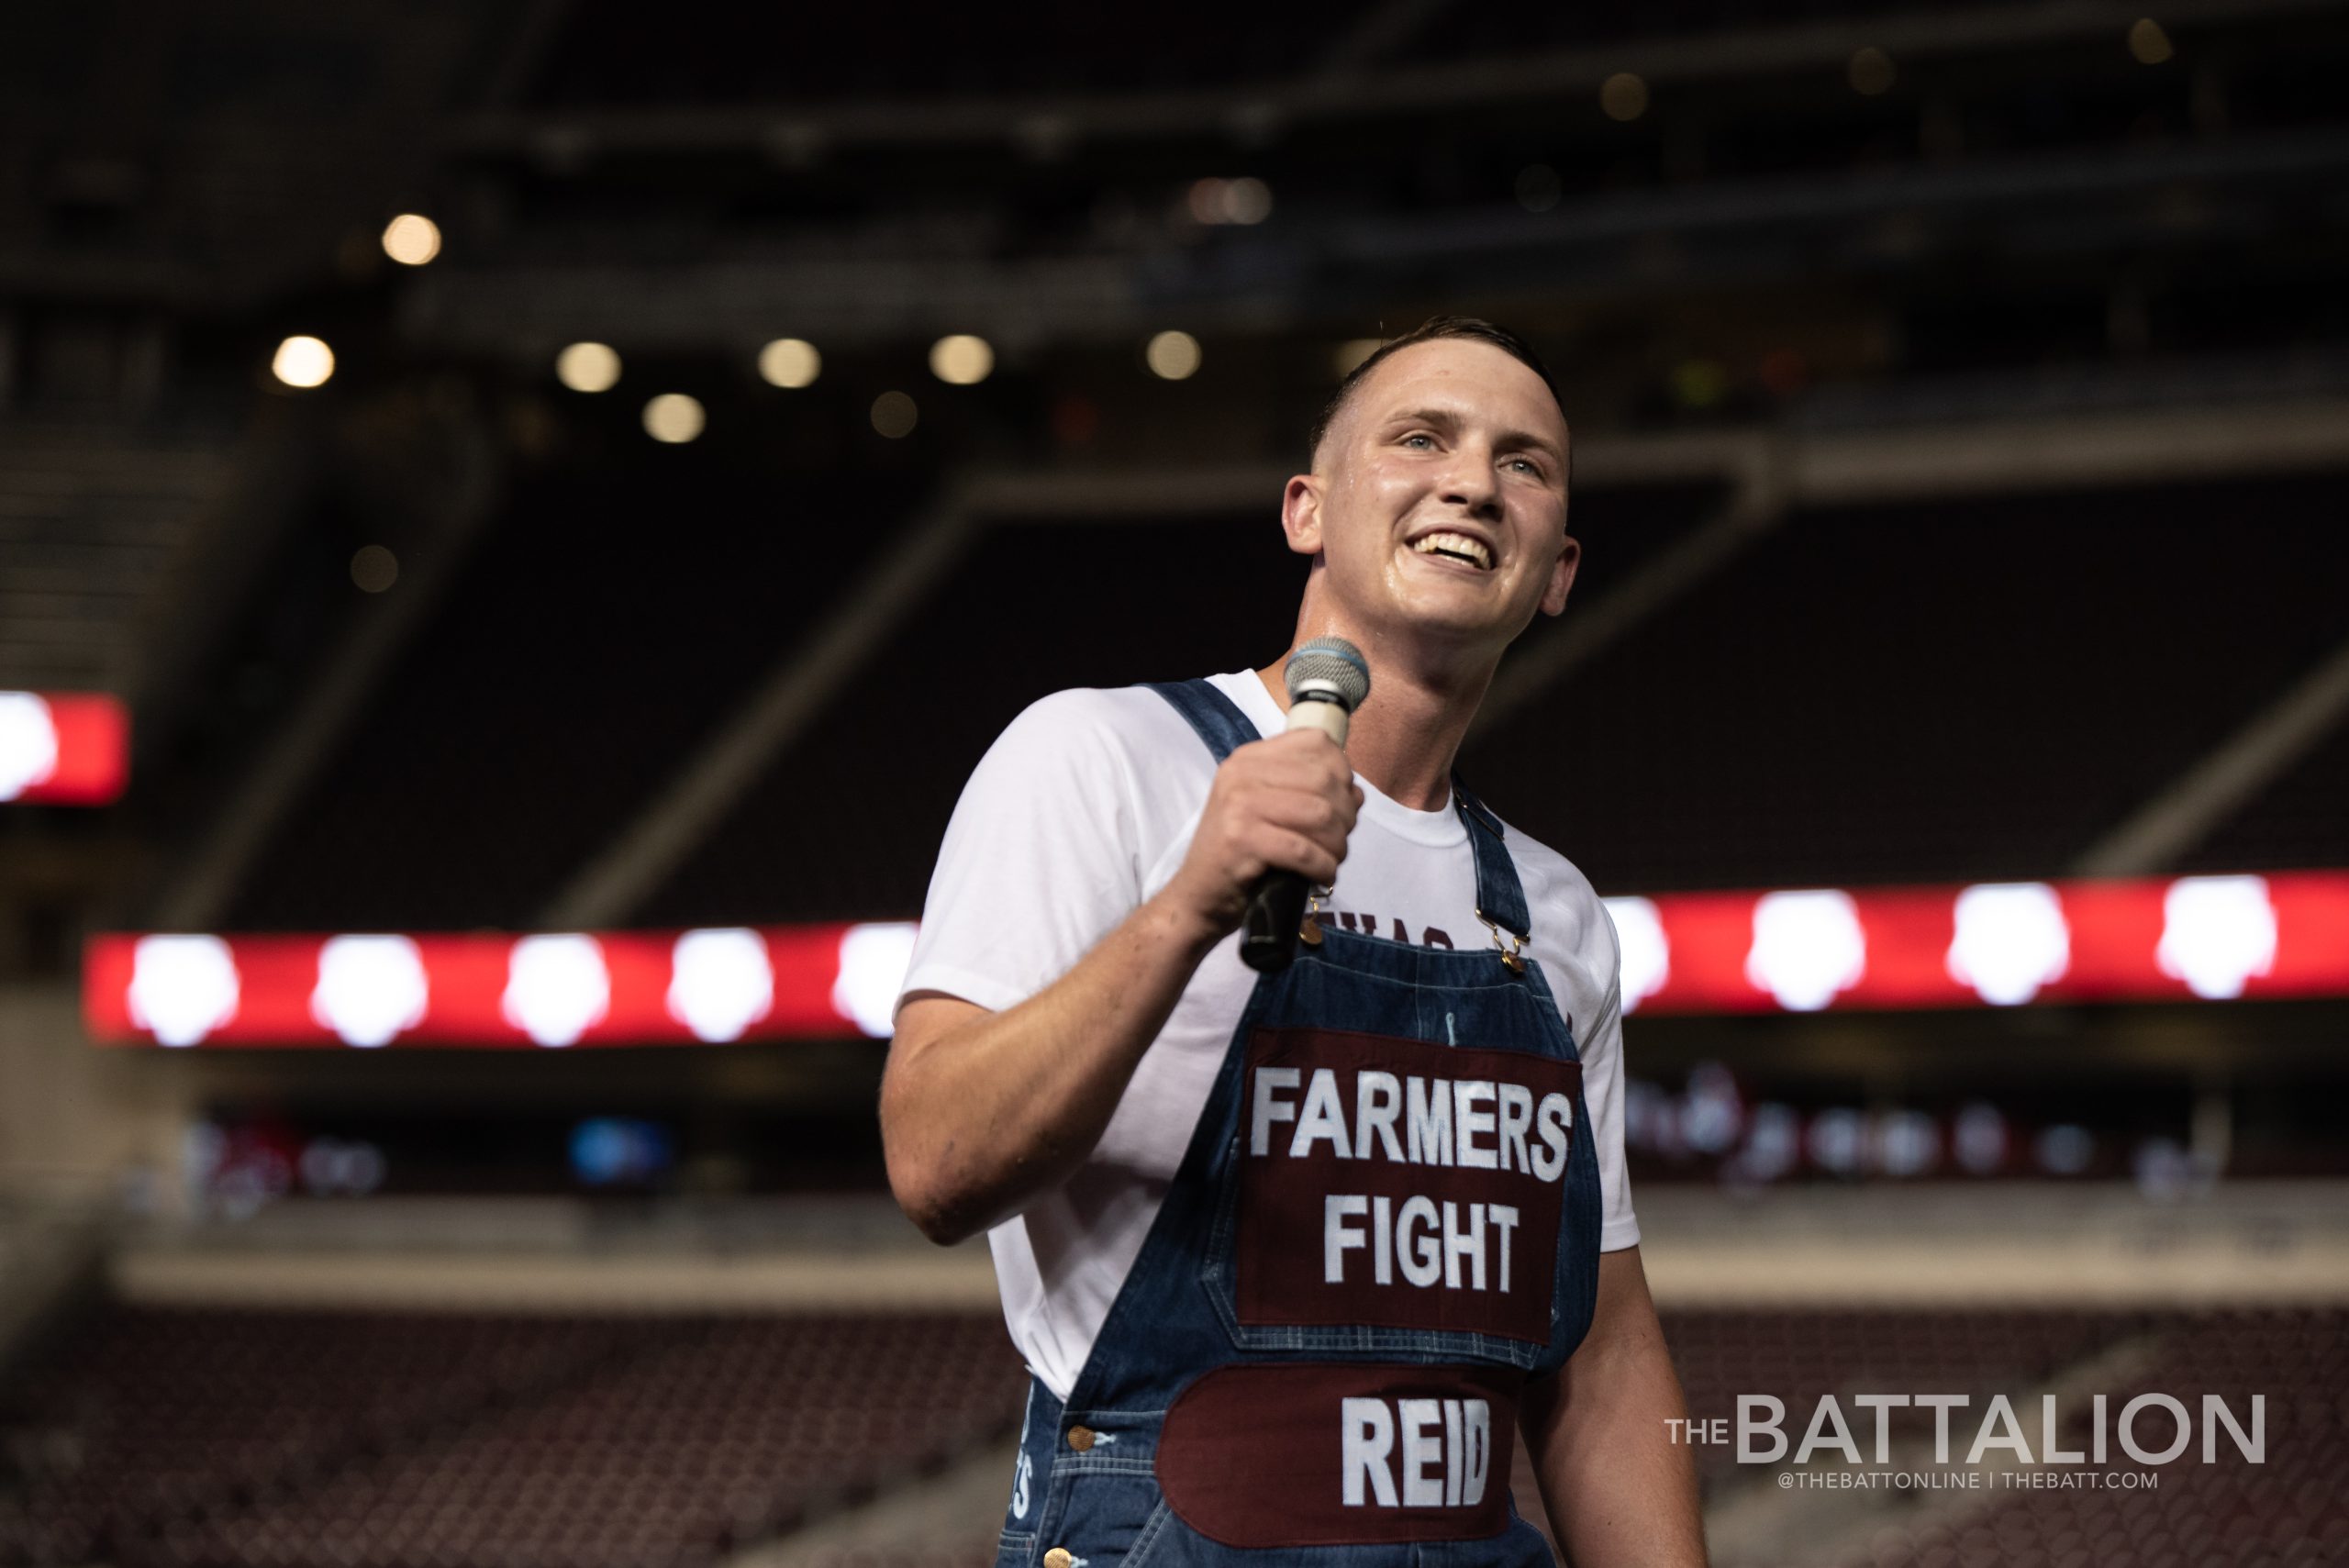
1455 544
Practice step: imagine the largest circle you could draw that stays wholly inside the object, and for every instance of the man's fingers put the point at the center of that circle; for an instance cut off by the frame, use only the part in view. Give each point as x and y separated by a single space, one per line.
1295 772
1281 849
1310 811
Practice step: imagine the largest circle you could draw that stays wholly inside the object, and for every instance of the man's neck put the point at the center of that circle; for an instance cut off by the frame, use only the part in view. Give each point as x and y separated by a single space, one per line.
1404 736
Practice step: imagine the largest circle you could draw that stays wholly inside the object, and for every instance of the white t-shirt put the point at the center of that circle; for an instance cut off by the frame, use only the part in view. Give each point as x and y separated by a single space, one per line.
1083 807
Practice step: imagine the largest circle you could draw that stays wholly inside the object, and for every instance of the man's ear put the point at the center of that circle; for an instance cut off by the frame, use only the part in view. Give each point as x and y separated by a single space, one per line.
1301 514
1561 578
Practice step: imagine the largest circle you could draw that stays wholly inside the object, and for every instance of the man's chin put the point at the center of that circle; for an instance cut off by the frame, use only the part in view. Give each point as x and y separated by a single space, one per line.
1447 618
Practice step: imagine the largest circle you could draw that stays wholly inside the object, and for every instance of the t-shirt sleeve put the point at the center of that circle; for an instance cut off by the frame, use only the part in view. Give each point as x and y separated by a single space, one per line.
1040 860
1602 1087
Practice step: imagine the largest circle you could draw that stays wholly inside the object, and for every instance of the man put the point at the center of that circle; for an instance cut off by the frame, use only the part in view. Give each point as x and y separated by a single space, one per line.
1287 1256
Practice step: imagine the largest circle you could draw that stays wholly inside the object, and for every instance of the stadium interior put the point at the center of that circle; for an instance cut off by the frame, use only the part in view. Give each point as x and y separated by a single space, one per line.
548 466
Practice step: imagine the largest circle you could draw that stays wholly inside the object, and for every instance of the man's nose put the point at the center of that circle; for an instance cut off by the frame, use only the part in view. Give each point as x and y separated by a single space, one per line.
1469 482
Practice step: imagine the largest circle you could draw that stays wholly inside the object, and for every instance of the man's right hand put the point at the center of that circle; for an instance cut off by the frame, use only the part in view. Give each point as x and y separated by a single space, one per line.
1285 802
981 1110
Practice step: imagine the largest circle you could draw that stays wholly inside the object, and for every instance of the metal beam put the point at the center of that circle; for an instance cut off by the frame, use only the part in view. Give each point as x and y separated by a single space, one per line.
1754 506
609 887
200 893
2152 838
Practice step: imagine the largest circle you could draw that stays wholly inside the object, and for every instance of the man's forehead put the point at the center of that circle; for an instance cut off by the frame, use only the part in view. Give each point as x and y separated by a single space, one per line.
1463 376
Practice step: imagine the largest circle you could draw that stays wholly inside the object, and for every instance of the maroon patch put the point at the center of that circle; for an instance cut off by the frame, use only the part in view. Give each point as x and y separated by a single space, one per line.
1334 1455
1400 1183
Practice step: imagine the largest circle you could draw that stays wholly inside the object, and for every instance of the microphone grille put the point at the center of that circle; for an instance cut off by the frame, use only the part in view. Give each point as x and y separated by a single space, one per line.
1328 666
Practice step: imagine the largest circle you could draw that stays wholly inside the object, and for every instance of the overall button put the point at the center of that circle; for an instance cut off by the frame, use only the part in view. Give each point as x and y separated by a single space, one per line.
1059 1557
1079 1439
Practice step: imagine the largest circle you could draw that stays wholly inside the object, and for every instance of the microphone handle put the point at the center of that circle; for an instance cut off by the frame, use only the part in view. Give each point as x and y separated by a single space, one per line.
1268 930
1276 908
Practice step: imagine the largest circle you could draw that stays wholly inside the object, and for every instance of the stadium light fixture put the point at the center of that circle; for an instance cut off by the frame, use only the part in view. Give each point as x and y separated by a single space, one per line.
411 239
303 362
588 367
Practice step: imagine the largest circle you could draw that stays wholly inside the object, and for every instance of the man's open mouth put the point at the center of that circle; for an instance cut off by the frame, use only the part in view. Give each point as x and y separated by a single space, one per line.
1459 547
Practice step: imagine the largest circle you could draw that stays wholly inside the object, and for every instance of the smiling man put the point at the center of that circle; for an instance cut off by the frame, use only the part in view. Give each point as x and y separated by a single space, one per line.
1293 1259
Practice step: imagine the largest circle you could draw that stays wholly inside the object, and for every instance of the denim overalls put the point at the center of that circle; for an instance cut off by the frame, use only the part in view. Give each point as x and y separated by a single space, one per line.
1387 1220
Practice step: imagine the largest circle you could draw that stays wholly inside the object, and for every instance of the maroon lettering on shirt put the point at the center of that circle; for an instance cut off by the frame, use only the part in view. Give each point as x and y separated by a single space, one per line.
1400 1183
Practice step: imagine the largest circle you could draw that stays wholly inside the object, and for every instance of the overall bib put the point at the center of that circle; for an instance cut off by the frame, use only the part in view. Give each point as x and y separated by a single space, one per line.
1385 1222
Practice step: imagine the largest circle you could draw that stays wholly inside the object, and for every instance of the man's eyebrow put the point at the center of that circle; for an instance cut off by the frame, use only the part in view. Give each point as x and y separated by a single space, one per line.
1449 420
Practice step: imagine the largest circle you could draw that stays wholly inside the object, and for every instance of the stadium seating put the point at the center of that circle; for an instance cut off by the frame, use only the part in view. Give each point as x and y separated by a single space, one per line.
843 826
204 1440
177 1439
565 677
1799 1357
1963 722
2288 1510
1914 693
93 520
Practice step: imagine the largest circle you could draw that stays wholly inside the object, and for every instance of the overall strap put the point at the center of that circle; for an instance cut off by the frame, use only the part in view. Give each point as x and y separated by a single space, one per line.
1500 897
1216 717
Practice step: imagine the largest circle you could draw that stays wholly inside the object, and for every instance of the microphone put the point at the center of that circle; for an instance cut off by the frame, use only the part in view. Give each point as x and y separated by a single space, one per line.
1327 679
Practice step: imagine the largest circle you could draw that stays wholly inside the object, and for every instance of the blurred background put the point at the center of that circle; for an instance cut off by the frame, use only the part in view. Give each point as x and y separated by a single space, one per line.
557 470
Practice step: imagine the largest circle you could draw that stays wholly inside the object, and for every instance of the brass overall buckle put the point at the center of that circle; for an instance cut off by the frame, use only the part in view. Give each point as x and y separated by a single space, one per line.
1511 949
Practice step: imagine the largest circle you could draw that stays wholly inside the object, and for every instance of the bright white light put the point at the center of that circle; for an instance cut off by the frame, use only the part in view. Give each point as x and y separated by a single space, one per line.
411 239
182 988
2011 938
28 743
303 361
1807 947
370 989
556 988
1173 356
1647 952
588 367
962 360
874 959
2216 934
790 363
721 983
674 418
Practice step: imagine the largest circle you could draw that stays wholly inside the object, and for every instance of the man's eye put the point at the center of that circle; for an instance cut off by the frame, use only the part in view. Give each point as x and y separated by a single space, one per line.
1526 465
1422 437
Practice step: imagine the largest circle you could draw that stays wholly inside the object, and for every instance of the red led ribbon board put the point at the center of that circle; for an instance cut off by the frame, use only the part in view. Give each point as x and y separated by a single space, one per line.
549 990
2009 944
63 748
2005 944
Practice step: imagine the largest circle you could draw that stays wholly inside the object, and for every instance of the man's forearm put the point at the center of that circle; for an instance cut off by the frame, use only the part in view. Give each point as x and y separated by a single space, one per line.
979 1116
1619 1490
